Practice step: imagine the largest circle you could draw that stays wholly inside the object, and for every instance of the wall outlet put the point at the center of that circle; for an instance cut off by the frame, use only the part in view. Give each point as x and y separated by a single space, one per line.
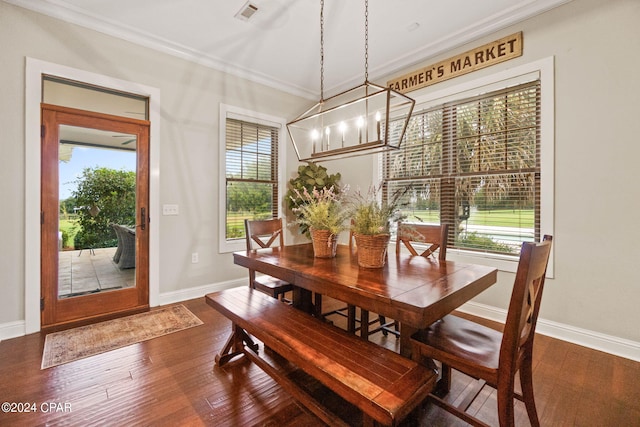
170 210
194 258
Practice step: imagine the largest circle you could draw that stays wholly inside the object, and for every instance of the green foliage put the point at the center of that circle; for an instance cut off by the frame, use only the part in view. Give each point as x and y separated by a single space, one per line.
371 215
242 195
103 196
69 229
475 241
321 210
310 176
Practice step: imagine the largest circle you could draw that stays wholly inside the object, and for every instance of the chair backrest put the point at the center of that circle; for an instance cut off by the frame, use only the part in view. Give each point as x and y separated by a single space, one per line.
263 233
436 235
524 306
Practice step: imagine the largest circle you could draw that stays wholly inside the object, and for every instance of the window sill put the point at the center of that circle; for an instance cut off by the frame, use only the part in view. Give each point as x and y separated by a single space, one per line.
508 263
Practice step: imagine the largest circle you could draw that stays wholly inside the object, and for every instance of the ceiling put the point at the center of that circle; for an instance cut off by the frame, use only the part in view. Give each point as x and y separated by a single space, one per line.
280 44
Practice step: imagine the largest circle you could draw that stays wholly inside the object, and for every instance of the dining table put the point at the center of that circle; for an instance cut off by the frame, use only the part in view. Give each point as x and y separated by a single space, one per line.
416 291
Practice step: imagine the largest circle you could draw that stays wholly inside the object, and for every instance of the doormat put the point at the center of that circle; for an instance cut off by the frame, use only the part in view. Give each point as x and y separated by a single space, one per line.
78 343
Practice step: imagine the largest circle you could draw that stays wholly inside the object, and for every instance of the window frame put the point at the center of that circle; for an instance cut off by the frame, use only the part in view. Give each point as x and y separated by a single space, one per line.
231 112
543 70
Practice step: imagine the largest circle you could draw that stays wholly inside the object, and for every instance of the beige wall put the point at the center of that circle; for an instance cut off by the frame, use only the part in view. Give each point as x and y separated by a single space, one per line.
190 98
595 44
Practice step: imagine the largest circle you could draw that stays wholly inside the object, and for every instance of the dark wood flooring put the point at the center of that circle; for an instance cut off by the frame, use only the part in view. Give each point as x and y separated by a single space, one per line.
171 381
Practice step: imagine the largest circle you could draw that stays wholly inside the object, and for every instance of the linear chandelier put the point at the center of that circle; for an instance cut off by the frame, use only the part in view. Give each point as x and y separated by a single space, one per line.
363 120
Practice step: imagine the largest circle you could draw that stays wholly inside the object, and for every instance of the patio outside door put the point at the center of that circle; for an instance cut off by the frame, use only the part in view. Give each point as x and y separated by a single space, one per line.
94 227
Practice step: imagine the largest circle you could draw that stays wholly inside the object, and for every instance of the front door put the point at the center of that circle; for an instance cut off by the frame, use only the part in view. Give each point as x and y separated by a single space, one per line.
95 225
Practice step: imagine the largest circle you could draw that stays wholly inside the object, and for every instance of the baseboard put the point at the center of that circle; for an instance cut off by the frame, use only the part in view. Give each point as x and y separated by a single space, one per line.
12 329
595 340
197 292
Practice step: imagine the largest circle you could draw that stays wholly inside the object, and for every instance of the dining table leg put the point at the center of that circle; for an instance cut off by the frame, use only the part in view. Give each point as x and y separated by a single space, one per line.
303 300
364 324
443 384
405 339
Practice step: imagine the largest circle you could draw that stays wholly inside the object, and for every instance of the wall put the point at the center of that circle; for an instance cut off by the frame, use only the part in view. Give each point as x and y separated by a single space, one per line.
190 98
595 44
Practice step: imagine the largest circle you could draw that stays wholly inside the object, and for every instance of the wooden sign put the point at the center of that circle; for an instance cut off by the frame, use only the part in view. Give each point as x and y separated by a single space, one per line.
481 57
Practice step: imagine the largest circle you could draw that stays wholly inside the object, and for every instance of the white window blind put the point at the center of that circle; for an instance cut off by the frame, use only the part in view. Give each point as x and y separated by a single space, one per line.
251 158
475 165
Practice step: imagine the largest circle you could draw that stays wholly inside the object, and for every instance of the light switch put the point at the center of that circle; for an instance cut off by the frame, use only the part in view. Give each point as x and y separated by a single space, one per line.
169 209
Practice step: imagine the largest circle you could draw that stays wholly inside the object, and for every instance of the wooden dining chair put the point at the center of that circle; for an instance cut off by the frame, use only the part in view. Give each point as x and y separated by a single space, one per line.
407 236
490 356
265 234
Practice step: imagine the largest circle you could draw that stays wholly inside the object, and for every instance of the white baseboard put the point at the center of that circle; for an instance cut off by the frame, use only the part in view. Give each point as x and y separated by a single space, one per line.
12 329
200 291
595 340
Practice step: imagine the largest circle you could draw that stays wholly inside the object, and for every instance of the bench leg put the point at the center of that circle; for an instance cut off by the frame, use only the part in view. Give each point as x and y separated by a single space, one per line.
235 345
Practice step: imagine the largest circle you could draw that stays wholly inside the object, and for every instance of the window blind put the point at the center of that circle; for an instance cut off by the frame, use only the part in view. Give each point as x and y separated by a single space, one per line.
251 174
474 164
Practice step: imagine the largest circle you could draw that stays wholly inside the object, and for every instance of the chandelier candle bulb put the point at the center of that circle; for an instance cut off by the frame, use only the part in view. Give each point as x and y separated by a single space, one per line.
327 131
359 124
314 137
378 123
343 127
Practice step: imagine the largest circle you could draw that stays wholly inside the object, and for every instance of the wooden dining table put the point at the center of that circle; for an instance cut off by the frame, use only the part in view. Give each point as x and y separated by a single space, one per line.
414 290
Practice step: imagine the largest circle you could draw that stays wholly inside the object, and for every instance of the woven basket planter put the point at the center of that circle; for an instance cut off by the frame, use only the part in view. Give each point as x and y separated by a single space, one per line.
372 249
325 243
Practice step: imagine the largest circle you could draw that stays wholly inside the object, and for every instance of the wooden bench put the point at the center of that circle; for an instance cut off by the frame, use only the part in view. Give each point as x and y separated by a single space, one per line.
382 384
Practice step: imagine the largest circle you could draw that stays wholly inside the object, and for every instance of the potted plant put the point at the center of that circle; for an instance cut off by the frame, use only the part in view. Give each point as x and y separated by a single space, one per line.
371 220
322 213
309 176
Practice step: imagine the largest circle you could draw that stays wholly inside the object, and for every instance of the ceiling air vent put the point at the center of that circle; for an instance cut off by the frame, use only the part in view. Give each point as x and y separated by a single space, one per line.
246 11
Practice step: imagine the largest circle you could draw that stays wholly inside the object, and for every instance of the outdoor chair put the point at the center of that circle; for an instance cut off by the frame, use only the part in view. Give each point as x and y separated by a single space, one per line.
126 247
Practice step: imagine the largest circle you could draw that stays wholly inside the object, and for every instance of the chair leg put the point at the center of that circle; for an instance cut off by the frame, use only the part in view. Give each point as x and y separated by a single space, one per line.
526 382
383 321
444 383
506 415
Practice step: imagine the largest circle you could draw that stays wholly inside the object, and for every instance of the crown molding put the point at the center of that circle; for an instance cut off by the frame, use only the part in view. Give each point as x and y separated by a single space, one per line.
64 11
446 44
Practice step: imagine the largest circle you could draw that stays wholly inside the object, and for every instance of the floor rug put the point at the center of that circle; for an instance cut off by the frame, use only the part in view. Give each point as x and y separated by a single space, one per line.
78 343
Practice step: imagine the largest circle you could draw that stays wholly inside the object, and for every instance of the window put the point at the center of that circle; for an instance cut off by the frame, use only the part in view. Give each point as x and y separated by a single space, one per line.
251 184
474 162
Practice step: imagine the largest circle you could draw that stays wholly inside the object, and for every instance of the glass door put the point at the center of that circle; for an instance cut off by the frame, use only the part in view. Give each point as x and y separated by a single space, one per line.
95 183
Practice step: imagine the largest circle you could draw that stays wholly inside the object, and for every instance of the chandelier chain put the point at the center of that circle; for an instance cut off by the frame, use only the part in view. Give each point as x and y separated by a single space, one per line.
366 41
321 50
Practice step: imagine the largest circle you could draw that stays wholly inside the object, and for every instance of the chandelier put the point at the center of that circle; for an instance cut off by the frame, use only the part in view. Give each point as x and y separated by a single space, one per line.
363 120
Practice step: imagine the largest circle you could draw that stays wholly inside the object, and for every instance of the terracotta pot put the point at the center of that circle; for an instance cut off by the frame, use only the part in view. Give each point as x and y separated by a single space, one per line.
325 243
372 249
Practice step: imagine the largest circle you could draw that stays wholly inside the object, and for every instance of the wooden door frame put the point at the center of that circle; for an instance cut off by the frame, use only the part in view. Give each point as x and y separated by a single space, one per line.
34 71
93 307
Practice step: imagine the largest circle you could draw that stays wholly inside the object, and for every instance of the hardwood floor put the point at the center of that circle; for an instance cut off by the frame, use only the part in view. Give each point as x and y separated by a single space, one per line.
171 381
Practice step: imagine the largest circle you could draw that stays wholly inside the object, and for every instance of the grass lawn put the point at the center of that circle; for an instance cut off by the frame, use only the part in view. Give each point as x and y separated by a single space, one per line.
69 228
498 218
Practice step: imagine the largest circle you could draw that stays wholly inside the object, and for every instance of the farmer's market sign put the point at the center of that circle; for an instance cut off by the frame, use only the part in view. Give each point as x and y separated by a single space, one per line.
484 56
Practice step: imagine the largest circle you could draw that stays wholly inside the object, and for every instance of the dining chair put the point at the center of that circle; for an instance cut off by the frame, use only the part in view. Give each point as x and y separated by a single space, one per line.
488 355
264 234
407 235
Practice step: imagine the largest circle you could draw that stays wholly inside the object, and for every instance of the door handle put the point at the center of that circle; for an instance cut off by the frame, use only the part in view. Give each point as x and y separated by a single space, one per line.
143 218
